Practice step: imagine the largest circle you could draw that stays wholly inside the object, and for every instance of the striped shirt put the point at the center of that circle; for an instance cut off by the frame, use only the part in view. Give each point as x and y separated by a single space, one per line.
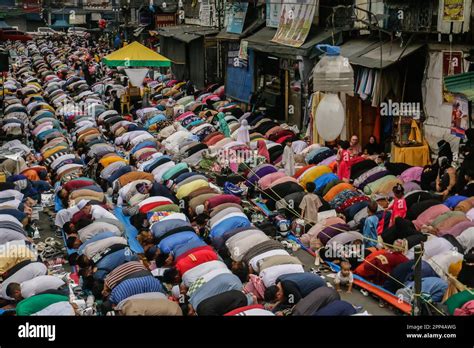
118 274
133 286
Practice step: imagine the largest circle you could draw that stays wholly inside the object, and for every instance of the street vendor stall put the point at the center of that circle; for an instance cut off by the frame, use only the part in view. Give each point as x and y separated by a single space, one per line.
417 156
136 55
136 59
410 147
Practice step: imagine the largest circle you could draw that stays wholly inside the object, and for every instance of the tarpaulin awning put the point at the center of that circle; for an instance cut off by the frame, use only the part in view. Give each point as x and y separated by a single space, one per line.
186 33
67 10
136 55
254 26
136 76
367 52
261 42
461 83
357 47
60 23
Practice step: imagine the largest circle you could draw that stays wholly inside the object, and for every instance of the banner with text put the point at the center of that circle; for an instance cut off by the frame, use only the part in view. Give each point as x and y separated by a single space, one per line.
295 22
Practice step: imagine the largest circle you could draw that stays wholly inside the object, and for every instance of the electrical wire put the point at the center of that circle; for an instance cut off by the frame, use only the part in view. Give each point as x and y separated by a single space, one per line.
382 271
389 246
312 223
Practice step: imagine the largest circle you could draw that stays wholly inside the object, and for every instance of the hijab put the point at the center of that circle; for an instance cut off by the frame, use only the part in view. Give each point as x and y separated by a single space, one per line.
262 150
372 148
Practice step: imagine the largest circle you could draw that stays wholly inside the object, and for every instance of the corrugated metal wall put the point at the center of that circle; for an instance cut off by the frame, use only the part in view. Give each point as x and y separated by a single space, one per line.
176 51
196 62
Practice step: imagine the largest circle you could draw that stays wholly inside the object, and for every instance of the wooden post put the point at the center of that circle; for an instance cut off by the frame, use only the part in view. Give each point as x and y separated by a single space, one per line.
360 121
287 94
417 278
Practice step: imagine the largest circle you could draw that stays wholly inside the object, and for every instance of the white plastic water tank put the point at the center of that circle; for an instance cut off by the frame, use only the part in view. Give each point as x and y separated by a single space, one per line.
333 73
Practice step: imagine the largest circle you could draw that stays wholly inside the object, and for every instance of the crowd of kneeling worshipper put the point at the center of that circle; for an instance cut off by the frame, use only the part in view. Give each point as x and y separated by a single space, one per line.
186 204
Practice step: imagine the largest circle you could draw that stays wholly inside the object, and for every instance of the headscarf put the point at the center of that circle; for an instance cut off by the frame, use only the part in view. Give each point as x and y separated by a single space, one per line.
444 150
243 134
224 127
262 150
466 275
372 148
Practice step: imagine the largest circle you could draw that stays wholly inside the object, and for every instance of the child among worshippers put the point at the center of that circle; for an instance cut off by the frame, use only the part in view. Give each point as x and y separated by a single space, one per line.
200 223
344 277
370 226
398 205
310 204
243 134
344 158
288 160
381 159
468 189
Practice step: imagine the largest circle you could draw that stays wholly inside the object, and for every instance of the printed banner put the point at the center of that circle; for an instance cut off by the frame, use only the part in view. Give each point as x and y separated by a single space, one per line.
205 13
459 116
452 65
295 22
243 53
273 8
237 14
233 57
453 10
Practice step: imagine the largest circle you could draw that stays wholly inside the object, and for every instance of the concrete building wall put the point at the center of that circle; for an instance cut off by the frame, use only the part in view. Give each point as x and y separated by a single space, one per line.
438 114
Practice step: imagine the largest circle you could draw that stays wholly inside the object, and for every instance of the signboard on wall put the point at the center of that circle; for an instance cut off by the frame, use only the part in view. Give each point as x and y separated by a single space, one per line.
239 83
243 52
459 116
75 19
233 58
97 4
236 17
96 16
295 22
165 20
272 12
453 10
205 13
452 65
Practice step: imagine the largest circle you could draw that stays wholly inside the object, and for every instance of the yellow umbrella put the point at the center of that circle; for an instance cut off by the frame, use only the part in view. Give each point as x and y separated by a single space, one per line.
136 55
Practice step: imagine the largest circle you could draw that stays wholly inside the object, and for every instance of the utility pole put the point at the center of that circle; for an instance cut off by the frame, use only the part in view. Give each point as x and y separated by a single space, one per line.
220 12
417 275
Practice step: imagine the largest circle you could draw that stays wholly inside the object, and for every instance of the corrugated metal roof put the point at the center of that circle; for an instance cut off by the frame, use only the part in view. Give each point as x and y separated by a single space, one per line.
357 47
186 33
461 83
224 35
366 52
254 26
261 41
